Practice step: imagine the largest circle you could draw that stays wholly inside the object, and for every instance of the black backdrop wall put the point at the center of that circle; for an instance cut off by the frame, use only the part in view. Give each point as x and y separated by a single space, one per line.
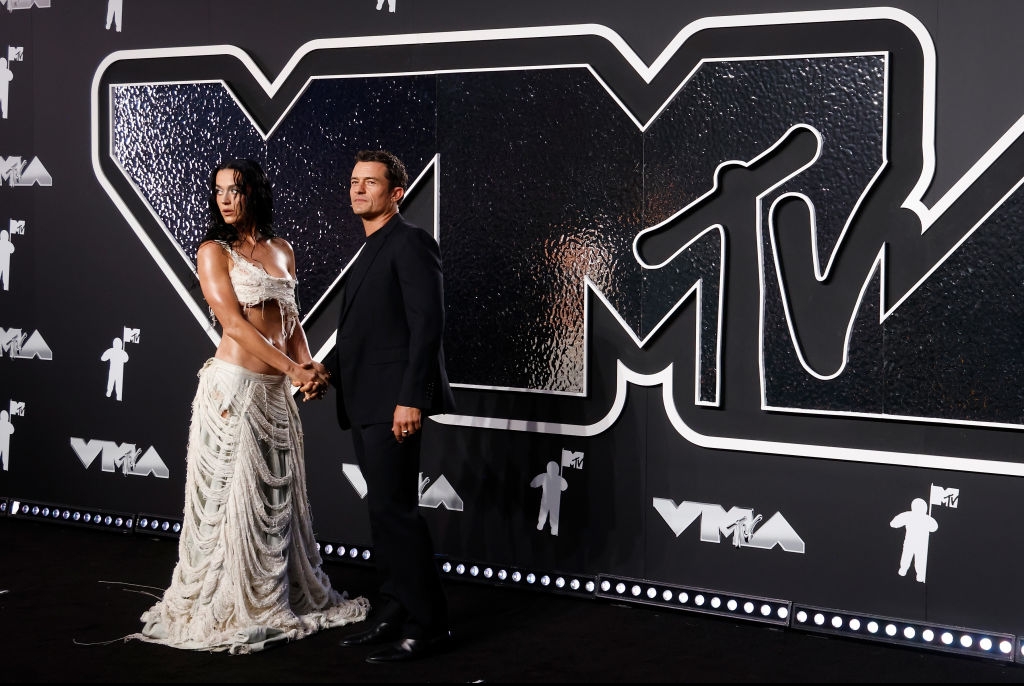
732 288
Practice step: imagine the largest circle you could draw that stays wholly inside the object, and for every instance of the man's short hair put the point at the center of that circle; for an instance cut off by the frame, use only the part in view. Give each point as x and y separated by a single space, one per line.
396 174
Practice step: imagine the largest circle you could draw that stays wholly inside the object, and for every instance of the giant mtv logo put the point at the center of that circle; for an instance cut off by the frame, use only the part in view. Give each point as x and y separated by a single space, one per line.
125 458
760 266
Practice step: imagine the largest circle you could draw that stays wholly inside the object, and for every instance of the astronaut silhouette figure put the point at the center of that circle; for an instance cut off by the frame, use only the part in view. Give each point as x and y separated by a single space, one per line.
391 5
6 76
116 356
6 429
114 10
6 249
918 525
551 485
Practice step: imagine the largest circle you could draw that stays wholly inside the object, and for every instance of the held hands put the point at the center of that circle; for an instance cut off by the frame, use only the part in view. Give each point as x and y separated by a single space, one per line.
312 379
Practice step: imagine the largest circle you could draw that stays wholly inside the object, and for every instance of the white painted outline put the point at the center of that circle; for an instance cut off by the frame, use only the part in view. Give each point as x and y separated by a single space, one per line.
626 376
913 201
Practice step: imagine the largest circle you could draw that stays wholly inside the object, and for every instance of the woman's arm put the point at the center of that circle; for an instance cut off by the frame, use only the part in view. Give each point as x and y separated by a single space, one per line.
298 348
298 345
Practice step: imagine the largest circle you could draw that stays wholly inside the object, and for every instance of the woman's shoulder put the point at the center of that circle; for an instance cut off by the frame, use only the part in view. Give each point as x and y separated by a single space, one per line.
213 249
214 245
280 244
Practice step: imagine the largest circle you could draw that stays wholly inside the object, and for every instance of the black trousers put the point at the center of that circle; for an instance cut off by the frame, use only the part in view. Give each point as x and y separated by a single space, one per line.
410 584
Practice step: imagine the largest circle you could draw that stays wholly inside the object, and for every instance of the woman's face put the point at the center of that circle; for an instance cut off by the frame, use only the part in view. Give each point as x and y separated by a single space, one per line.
230 197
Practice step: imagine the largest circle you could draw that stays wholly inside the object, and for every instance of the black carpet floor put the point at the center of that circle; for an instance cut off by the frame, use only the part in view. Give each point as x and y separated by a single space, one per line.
67 598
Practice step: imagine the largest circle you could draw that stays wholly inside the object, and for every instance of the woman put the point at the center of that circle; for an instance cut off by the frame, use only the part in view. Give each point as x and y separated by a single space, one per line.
248 571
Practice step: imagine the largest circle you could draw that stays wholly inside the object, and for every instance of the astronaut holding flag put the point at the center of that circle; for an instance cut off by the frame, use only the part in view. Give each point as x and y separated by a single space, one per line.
552 484
918 525
17 409
116 357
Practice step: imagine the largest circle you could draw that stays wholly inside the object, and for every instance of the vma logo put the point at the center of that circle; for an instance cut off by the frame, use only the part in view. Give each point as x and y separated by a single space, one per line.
12 5
19 172
123 457
23 346
736 523
440 493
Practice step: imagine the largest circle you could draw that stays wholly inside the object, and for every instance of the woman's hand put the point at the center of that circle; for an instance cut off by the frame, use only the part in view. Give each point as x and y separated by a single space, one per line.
312 378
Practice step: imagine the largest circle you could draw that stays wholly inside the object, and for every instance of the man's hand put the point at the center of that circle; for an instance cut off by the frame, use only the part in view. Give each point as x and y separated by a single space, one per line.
407 422
312 380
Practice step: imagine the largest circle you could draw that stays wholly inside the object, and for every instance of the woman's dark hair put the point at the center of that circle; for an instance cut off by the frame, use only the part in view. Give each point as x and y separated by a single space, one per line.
257 201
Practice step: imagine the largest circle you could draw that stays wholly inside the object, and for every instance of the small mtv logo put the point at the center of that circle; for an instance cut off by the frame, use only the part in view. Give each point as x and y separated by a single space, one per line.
17 409
572 459
130 335
15 53
17 226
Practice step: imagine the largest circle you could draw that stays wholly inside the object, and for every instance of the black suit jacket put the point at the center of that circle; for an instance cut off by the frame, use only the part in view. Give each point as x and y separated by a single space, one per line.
389 347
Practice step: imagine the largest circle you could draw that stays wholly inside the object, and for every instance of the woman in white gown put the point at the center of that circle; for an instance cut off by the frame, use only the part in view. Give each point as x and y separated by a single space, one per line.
249 571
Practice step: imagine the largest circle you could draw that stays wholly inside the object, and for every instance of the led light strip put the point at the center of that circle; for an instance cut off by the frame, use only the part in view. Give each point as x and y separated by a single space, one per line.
951 639
754 608
986 644
342 552
156 525
504 575
100 519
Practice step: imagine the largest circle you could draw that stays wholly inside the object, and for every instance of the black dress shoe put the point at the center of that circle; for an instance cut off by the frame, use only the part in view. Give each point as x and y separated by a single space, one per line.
381 632
412 649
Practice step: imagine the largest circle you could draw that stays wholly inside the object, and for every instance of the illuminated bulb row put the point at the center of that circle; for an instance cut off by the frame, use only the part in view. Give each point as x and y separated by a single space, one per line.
98 519
700 599
342 551
156 524
515 576
908 632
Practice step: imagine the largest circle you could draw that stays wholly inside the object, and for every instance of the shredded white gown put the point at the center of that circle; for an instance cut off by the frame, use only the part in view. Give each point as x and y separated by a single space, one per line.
249 572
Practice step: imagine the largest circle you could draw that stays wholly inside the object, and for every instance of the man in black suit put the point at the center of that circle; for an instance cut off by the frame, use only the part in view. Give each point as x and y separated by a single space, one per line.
388 367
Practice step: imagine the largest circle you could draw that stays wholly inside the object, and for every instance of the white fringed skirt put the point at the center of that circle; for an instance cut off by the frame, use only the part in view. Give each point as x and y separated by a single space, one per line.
249 571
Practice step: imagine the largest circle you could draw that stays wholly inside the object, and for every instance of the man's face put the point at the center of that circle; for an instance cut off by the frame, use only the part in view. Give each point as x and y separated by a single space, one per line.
369 191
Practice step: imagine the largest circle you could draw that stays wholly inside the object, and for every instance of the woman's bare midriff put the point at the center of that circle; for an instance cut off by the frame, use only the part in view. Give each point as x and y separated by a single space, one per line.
266 317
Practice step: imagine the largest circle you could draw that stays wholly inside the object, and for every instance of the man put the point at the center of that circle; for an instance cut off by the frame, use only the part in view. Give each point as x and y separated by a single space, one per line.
388 367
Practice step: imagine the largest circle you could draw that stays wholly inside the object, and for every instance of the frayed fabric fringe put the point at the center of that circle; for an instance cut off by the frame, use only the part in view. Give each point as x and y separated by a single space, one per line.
249 571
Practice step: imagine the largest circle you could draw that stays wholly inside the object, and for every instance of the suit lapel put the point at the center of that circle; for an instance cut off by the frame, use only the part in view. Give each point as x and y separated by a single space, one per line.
362 265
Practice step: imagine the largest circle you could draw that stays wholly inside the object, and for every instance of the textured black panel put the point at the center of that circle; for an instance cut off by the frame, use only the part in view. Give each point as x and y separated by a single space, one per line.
544 182
166 138
953 348
541 187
